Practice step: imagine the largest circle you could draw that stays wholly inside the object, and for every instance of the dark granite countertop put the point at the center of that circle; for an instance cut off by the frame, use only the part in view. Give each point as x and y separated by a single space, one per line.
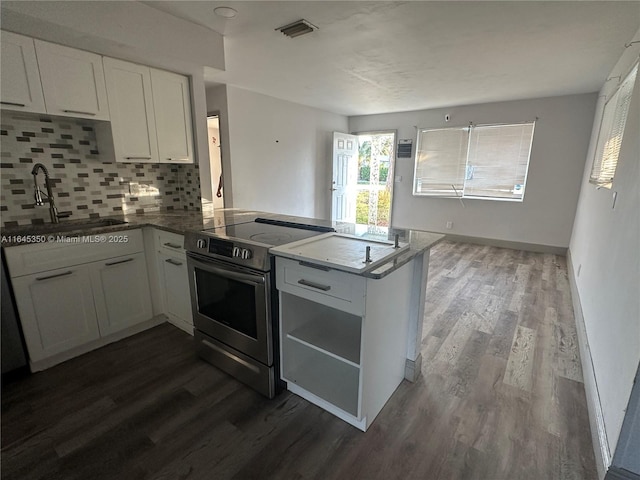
181 222
172 221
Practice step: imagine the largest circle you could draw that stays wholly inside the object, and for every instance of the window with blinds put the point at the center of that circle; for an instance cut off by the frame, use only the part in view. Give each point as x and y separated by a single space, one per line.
481 161
441 160
614 118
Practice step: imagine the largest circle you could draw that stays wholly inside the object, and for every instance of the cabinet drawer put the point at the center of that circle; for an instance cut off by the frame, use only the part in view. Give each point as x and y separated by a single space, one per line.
340 290
170 243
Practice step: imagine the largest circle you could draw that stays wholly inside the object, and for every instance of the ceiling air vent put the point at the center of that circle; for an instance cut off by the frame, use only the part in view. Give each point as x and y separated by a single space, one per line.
298 28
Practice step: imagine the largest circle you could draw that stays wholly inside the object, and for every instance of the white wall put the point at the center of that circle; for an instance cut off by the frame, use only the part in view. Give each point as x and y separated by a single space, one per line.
280 154
557 160
605 253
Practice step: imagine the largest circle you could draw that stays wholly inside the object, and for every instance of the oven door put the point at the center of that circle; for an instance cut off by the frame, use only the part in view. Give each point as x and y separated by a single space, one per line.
232 304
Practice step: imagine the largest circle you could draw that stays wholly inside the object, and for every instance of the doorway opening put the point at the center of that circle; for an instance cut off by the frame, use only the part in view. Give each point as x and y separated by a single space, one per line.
215 159
374 188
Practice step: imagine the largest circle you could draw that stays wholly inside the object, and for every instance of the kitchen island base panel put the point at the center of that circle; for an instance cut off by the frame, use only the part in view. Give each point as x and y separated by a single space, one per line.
384 338
327 406
352 368
413 369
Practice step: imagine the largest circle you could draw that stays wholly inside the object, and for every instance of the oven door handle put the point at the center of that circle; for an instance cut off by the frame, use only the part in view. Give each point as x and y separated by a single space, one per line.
228 273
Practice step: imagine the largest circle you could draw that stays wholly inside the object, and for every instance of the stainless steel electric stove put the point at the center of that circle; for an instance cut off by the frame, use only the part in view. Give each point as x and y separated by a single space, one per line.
233 297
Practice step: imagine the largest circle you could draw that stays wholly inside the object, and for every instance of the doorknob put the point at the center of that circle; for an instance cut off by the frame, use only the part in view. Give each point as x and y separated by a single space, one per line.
332 189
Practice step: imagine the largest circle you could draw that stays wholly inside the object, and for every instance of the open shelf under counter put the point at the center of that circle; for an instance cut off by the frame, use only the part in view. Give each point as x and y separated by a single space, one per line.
343 337
333 336
325 376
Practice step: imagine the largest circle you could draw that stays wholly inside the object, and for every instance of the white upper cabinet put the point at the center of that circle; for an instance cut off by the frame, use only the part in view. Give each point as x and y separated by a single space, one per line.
72 81
150 113
133 121
21 87
173 116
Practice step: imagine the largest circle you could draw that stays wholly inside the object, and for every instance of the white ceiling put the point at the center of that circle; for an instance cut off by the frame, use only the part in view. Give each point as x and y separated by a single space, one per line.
379 57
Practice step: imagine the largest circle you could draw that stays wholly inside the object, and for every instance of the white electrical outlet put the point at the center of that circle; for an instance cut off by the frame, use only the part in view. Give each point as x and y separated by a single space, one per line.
449 225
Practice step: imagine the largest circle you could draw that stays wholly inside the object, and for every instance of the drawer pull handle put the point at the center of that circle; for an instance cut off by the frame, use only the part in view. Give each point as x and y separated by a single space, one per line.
13 104
314 265
137 158
173 262
108 264
80 112
172 245
184 159
54 276
324 288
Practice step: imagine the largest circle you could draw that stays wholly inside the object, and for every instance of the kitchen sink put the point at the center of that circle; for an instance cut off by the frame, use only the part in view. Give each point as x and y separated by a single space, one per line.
75 225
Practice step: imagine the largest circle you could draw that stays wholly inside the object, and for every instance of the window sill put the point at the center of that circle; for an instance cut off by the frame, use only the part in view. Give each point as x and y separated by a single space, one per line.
495 199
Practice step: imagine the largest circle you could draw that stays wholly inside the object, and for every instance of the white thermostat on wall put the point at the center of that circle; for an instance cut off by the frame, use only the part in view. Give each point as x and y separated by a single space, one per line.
404 148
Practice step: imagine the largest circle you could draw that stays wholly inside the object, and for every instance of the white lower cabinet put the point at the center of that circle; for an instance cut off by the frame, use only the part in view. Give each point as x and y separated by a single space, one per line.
174 279
121 292
174 282
56 310
89 297
343 337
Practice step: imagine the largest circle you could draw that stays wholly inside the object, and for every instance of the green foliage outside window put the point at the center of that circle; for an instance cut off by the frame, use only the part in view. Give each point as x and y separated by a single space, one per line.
362 207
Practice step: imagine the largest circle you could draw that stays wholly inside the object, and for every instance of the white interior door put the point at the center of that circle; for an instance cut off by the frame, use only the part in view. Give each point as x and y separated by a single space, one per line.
344 178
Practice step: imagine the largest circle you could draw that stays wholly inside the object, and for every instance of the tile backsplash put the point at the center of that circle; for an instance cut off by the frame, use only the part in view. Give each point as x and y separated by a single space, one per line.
82 182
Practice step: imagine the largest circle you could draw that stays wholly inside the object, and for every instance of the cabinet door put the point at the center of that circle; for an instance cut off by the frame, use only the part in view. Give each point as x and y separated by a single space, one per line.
174 278
72 81
172 104
56 310
121 292
21 87
132 114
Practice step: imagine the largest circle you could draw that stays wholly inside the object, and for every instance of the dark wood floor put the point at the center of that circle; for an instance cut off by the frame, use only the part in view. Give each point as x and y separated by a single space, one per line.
501 397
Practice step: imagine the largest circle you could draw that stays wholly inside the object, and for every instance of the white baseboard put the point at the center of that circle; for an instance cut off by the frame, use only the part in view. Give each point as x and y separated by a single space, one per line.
594 407
528 247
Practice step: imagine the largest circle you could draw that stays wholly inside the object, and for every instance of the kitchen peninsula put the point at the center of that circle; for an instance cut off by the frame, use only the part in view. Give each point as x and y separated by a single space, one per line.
377 314
344 331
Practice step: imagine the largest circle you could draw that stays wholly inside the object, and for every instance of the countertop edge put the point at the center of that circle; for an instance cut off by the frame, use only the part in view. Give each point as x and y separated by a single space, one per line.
11 235
181 223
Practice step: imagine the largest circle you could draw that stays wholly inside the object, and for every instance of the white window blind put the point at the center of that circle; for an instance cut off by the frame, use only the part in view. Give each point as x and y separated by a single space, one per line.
498 160
441 158
487 161
614 119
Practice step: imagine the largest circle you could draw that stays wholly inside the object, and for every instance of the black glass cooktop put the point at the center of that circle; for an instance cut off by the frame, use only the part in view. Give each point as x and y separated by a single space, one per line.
269 232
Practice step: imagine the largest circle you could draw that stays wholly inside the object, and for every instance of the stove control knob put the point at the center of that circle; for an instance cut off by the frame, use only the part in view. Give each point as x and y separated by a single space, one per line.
201 243
246 253
237 251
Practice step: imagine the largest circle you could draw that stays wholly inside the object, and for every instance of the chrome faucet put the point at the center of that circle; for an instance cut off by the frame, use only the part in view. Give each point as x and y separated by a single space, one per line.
53 211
